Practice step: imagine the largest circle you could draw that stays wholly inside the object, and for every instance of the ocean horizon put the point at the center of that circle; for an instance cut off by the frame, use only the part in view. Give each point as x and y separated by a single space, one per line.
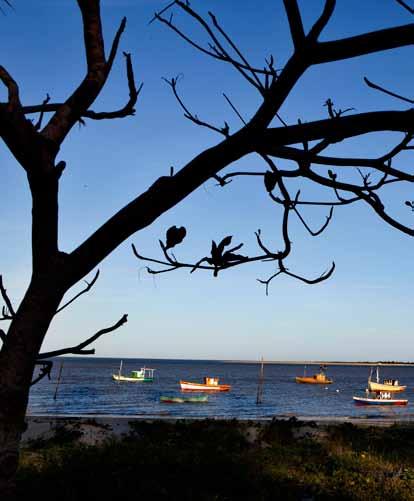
249 361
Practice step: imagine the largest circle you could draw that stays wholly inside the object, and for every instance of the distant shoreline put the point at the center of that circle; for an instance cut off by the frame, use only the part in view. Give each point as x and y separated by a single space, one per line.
266 362
321 362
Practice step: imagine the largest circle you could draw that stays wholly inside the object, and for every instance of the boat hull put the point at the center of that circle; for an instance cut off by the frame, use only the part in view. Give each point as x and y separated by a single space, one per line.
184 400
188 386
312 380
116 377
372 386
379 401
171 400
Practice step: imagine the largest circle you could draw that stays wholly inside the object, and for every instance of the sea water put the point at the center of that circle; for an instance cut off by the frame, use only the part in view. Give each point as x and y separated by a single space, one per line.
86 387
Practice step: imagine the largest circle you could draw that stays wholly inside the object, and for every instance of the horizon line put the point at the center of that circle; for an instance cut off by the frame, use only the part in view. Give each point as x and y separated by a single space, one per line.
252 361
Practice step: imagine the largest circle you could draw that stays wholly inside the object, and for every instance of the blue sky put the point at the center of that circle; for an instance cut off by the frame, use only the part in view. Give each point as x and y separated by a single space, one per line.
364 312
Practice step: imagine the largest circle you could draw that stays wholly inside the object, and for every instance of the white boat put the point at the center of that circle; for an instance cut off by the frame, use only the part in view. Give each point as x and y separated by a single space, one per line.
379 398
210 384
381 393
390 385
144 375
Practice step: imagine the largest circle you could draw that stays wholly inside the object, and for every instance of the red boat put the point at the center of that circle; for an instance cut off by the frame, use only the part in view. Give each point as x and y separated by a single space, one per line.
210 384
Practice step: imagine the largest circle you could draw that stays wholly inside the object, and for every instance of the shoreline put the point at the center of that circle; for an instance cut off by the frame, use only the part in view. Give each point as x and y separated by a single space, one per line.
96 428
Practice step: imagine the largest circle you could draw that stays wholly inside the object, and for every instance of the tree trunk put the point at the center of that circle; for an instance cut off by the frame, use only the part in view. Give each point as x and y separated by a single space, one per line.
17 361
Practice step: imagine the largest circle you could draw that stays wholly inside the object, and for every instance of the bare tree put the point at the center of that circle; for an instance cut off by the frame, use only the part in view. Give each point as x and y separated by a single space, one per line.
35 147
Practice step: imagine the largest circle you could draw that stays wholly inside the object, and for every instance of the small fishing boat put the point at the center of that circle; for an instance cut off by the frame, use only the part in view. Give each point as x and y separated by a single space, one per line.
144 375
319 378
387 385
210 384
199 399
379 398
376 395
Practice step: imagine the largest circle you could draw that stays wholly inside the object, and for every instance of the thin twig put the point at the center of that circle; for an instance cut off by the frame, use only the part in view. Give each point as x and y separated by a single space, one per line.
6 299
88 287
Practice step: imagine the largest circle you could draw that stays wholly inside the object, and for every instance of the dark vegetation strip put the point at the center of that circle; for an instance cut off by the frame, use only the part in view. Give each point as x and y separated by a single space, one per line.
224 460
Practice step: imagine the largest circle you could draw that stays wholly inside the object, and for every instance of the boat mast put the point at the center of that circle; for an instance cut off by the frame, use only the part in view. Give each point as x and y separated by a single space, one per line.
119 372
370 375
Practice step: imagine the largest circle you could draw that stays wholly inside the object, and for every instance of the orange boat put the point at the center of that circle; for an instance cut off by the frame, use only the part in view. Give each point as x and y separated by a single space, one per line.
210 384
319 378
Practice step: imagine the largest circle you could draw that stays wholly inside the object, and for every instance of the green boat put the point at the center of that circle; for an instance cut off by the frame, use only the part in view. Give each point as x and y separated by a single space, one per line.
201 399
145 375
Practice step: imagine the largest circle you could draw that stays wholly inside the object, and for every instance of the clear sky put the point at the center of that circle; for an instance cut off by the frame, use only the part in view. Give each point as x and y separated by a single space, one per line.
364 312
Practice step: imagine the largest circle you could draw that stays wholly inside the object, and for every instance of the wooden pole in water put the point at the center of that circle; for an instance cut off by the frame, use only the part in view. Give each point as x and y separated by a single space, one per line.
58 381
259 396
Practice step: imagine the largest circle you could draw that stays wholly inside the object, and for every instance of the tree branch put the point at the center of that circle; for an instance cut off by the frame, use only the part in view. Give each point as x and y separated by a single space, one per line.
336 130
368 43
217 50
385 91
98 70
406 7
295 23
187 113
44 371
88 287
6 299
12 88
323 20
115 44
79 349
283 270
168 191
321 229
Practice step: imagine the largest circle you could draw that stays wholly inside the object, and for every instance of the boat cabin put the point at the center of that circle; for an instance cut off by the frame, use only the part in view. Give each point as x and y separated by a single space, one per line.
145 373
212 381
391 382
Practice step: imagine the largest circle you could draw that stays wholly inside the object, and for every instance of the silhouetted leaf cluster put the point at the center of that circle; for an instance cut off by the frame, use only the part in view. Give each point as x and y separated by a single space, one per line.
220 258
174 236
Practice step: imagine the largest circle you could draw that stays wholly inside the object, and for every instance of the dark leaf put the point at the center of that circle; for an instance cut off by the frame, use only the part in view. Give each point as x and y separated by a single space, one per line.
270 180
215 254
230 256
174 236
226 241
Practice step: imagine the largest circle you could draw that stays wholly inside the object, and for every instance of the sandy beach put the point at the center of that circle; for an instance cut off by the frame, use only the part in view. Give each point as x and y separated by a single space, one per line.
95 429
